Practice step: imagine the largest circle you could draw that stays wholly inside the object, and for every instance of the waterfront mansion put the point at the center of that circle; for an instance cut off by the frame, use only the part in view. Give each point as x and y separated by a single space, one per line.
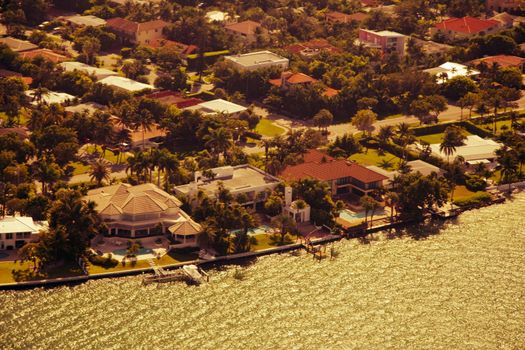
142 210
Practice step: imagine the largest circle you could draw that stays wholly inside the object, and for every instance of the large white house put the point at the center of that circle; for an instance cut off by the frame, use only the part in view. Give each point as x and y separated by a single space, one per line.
15 231
241 179
257 60
142 210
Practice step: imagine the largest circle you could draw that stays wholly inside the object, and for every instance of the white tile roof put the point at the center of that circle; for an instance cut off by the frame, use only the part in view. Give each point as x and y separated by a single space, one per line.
221 106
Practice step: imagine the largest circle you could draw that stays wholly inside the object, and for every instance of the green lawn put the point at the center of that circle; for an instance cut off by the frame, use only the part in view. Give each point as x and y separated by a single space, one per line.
437 138
372 157
499 124
12 272
461 192
267 128
264 241
173 257
81 168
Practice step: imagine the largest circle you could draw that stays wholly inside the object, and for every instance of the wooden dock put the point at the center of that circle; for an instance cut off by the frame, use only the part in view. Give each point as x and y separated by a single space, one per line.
189 273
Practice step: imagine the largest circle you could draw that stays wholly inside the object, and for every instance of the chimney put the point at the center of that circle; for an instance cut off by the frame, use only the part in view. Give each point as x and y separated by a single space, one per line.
287 196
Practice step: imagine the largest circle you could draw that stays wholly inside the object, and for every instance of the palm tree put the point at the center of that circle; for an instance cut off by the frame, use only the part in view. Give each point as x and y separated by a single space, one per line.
508 164
144 121
47 172
370 205
391 199
385 134
452 138
100 171
39 93
219 141
284 224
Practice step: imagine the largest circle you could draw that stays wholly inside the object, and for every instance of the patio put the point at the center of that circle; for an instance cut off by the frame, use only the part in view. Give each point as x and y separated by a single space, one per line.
152 247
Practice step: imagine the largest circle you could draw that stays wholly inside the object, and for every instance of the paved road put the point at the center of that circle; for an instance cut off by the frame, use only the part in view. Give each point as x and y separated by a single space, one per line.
453 113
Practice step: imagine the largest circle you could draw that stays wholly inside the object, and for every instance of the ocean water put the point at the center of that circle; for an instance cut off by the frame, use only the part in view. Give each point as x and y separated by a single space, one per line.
460 286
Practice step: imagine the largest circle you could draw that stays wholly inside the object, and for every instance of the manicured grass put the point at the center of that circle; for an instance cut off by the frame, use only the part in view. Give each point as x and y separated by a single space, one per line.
499 124
437 138
264 241
267 128
461 192
173 257
15 272
80 168
372 157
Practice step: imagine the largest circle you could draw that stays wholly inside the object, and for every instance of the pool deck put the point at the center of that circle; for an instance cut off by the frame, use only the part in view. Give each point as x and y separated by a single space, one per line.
108 245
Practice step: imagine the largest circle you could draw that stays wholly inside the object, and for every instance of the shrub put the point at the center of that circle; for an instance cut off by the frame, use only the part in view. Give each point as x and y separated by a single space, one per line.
475 183
479 197
104 261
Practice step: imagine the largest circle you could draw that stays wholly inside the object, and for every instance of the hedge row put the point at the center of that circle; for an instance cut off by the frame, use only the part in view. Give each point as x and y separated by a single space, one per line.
476 199
439 128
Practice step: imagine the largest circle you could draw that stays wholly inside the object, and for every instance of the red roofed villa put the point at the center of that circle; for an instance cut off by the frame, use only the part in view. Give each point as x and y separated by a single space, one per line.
312 48
288 79
466 27
501 61
342 175
245 30
45 53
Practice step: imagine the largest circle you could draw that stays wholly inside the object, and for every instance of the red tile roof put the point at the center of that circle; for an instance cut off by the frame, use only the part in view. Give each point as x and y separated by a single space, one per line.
123 25
245 27
294 78
183 48
345 18
501 60
46 53
322 167
130 27
4 73
467 25
174 98
329 92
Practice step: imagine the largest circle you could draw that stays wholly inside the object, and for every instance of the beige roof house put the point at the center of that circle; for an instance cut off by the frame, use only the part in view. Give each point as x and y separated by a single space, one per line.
142 210
15 231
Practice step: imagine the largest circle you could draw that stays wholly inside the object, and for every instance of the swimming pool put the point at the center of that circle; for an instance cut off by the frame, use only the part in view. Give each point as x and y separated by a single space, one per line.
254 231
141 251
3 255
349 215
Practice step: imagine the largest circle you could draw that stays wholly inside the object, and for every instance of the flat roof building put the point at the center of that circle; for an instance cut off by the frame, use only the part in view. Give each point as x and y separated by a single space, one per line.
98 73
50 97
240 179
475 149
257 60
85 21
126 84
218 106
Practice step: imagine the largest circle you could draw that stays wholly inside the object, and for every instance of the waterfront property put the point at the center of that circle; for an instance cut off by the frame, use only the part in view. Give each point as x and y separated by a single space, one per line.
475 150
342 175
15 231
257 60
417 165
239 180
142 210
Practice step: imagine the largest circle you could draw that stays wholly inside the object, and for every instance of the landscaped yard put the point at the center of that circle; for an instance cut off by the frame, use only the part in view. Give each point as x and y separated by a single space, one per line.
267 128
173 257
372 157
461 192
81 168
24 272
264 241
507 123
436 138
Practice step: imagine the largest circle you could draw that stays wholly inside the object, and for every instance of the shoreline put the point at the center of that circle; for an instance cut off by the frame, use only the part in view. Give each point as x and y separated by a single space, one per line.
358 232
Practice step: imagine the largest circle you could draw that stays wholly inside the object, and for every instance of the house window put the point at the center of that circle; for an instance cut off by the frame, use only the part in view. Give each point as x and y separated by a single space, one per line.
9 235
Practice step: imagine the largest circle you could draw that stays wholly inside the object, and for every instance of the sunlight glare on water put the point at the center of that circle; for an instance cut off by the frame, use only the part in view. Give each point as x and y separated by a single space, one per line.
460 288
